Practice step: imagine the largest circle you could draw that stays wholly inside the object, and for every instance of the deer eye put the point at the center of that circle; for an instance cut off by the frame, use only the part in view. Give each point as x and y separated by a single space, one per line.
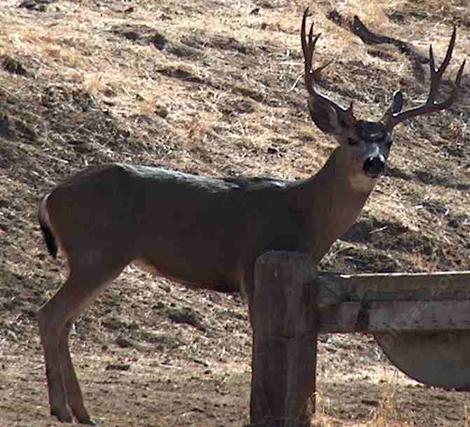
352 141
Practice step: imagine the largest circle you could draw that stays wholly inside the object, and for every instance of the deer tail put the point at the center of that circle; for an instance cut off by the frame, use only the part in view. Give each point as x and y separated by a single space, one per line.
46 229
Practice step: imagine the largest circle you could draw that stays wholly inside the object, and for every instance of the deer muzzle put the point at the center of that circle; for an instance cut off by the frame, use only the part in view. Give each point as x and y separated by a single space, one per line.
374 166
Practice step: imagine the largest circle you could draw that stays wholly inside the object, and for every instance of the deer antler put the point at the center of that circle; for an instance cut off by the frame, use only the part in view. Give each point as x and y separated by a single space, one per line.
392 117
319 103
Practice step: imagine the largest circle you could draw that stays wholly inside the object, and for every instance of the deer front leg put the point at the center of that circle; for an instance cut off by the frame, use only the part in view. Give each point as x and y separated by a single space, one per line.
248 290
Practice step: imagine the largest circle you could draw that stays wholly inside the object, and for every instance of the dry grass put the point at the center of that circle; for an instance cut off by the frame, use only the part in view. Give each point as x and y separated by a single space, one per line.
221 97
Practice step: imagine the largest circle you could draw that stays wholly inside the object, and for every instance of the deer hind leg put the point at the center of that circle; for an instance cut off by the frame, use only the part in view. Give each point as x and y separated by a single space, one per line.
55 320
72 387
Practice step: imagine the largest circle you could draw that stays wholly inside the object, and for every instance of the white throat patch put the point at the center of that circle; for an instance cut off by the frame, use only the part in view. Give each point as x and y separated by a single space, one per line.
361 182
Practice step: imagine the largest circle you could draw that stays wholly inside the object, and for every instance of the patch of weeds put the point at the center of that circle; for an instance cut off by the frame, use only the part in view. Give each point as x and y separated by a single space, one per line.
183 51
187 316
250 93
36 5
14 66
5 126
141 34
193 40
158 40
118 367
114 323
161 111
236 106
366 230
180 73
228 43
161 340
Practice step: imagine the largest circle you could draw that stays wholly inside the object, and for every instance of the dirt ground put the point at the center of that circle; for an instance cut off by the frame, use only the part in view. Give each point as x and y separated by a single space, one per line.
214 87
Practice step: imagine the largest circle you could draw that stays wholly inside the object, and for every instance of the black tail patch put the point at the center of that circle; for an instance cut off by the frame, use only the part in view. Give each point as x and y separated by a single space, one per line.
48 237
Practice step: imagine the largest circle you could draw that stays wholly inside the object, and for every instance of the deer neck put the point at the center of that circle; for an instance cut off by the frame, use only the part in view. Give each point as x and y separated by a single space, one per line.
335 198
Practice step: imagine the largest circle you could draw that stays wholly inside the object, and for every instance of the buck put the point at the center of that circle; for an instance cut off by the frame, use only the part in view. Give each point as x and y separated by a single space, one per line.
207 232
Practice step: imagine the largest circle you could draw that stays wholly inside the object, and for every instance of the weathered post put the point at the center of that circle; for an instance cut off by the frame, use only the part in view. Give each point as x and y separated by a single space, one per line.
284 341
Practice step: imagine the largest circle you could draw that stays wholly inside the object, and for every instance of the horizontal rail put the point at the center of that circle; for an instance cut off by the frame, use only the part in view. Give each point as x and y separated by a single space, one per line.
398 316
339 288
293 303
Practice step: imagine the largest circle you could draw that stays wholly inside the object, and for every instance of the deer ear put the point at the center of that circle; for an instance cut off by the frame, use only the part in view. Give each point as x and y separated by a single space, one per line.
329 118
397 102
324 116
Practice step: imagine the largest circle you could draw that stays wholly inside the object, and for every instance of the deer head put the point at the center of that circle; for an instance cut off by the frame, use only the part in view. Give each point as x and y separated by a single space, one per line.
365 145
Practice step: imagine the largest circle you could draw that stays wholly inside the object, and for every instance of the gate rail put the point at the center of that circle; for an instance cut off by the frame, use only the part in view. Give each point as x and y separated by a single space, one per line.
293 304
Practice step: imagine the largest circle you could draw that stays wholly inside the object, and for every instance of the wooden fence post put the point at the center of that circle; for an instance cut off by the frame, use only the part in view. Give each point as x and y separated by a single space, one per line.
284 341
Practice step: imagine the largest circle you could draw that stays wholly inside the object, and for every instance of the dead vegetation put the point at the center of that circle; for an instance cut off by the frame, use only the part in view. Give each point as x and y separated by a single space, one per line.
213 87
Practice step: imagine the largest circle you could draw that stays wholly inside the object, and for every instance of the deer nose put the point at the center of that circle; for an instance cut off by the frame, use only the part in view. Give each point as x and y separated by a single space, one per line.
374 166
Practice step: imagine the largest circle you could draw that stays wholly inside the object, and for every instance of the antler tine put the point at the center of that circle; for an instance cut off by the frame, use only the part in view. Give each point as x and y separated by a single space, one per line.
308 42
436 74
431 105
458 79
302 32
308 48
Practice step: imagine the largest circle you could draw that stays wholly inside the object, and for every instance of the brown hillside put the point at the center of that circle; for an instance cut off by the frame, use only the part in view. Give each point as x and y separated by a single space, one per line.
213 87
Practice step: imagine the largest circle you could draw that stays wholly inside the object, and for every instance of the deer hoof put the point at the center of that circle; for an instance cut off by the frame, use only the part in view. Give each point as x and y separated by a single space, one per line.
87 421
63 415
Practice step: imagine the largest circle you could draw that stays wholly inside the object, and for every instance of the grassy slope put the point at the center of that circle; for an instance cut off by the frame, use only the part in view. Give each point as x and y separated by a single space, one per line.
221 97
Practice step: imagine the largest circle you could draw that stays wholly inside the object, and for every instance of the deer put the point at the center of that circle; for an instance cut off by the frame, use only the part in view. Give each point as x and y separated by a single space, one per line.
207 232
